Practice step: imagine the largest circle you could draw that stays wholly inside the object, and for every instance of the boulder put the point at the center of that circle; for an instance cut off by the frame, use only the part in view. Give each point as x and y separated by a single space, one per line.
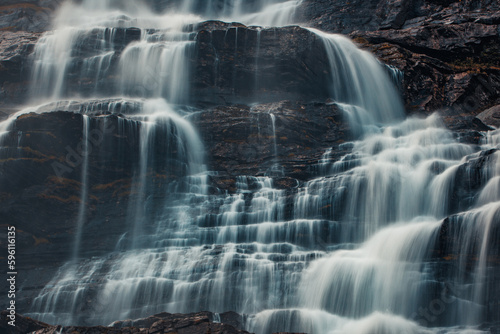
23 324
491 116
27 15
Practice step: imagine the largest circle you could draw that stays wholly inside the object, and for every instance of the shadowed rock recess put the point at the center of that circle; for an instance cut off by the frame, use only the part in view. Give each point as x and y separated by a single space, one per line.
242 167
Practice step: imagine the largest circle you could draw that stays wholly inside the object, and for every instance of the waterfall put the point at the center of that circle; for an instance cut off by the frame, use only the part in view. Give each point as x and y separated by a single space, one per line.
388 279
405 221
82 210
359 80
276 169
156 68
153 65
388 177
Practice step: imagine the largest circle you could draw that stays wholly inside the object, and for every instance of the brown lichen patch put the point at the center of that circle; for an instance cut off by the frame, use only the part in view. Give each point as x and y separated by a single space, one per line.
22 6
360 40
64 182
107 186
25 159
471 65
40 241
5 196
38 153
70 199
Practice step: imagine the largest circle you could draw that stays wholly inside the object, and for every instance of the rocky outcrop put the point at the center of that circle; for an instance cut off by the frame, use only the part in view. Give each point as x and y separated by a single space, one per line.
448 50
242 64
448 53
23 324
163 323
230 63
228 322
15 48
347 16
49 169
446 64
491 116
242 140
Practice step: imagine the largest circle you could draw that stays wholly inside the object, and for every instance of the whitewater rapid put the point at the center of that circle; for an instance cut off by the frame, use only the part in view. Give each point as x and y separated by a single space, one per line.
380 207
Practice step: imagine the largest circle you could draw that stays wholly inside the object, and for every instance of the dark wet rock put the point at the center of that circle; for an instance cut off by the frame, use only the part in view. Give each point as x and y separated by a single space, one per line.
460 239
491 116
23 325
340 16
42 151
163 323
27 15
15 48
457 257
468 129
445 39
246 65
448 50
36 151
346 16
230 63
228 322
469 179
240 140
430 84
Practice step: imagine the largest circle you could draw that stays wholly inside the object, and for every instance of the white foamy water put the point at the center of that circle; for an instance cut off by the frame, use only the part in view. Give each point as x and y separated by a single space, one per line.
353 250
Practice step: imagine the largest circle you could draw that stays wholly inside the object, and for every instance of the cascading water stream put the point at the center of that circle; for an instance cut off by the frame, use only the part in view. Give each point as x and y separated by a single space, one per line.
391 271
274 13
361 82
82 210
352 250
276 169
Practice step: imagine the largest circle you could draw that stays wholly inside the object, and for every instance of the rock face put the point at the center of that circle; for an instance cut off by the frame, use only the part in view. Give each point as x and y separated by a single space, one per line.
239 64
229 63
347 16
461 57
491 116
22 324
15 49
163 323
249 142
448 50
45 147
27 15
